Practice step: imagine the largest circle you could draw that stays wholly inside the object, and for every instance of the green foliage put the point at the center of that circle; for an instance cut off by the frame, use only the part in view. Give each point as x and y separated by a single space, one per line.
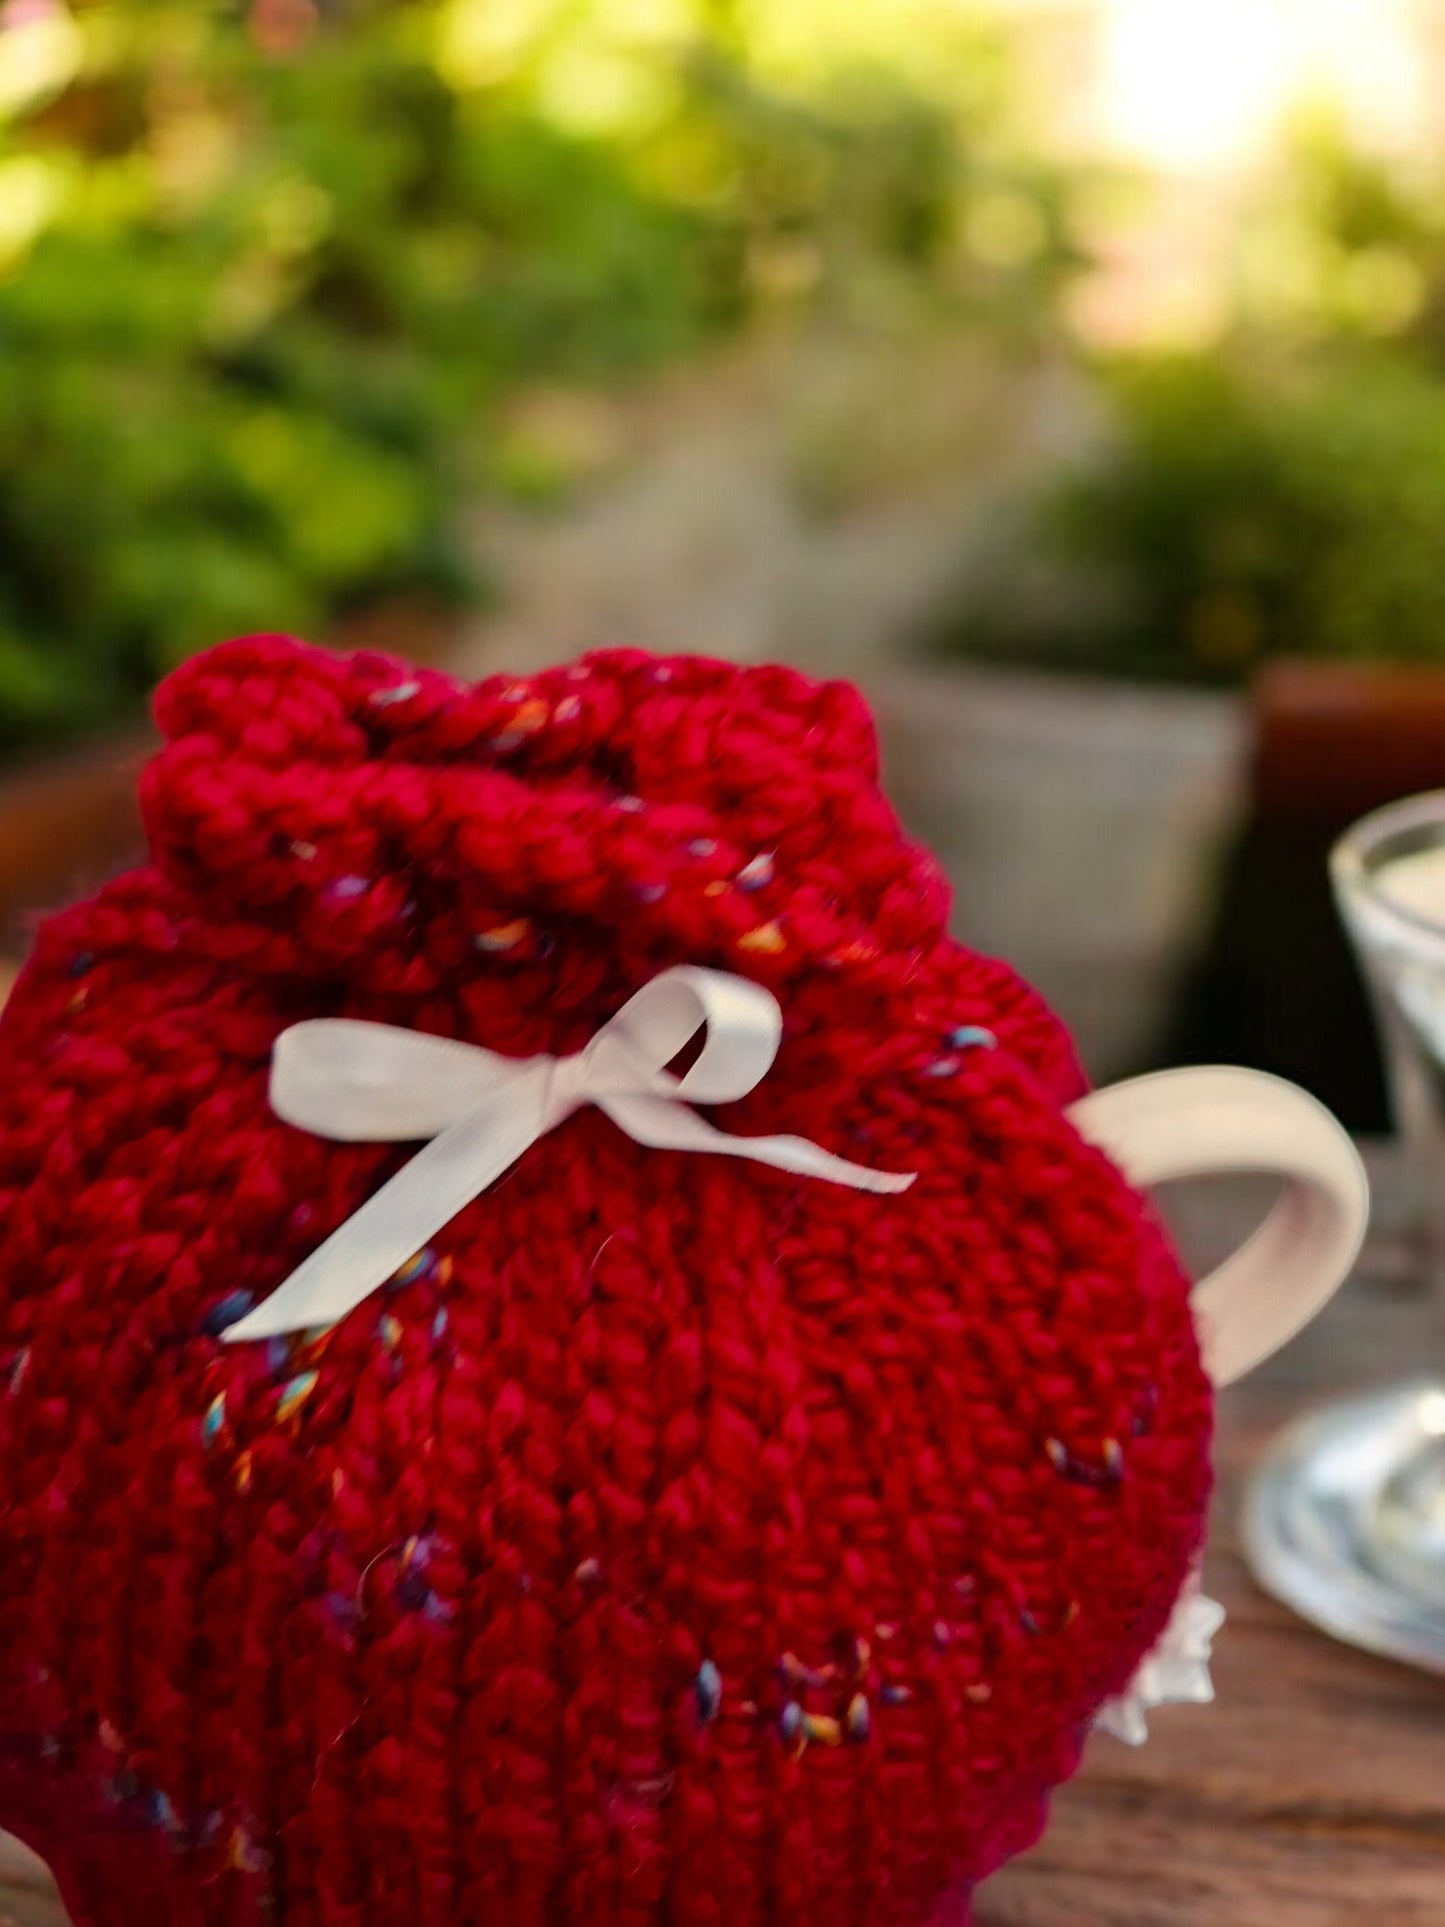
1345 245
871 199
1280 490
267 272
203 424
1243 509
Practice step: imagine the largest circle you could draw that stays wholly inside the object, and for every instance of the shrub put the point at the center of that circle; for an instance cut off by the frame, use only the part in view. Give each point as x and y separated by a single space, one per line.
1234 509
267 270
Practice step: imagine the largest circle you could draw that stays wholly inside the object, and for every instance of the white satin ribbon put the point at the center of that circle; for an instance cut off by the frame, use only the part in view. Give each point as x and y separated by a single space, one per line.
363 1082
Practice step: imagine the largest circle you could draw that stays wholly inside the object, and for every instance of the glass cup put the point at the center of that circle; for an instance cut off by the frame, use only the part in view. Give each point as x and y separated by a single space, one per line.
1345 1520
1389 878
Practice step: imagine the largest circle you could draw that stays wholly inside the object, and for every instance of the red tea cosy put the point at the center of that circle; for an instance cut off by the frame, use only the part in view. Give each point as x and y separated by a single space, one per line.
673 1540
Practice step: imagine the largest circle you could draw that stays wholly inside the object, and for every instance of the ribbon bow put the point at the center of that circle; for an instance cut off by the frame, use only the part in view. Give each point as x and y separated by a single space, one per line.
363 1082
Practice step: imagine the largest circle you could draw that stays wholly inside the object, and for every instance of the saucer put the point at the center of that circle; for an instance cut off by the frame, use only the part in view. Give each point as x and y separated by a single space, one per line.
1344 1521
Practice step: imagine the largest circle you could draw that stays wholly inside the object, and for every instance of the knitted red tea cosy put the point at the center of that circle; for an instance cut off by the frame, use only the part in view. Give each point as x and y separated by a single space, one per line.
672 1538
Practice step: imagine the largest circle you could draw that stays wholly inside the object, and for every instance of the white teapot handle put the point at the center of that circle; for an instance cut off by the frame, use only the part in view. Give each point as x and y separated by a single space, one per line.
1187 1123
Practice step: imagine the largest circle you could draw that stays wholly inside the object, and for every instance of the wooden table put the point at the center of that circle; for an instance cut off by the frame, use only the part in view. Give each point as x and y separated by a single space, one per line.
1313 1793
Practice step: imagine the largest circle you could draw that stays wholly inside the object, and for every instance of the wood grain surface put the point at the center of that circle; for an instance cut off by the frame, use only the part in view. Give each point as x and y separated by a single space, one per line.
1313 1793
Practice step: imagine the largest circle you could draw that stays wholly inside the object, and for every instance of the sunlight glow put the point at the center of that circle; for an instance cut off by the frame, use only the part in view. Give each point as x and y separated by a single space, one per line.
1202 85
39 53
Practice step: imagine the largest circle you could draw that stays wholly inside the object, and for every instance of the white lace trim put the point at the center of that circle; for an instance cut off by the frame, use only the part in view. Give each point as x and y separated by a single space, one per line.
1175 1673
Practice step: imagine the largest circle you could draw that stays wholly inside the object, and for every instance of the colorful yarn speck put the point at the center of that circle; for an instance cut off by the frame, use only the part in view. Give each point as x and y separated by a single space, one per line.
294 1395
673 1543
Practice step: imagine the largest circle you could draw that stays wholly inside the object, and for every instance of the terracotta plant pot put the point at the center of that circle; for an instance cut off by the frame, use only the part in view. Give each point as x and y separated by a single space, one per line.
1333 740
64 823
1280 989
68 819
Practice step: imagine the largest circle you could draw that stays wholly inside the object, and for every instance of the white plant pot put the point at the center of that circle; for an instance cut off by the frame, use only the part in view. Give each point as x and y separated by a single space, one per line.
1081 825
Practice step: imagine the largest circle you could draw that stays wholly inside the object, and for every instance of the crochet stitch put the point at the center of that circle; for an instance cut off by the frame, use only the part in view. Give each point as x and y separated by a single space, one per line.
674 1540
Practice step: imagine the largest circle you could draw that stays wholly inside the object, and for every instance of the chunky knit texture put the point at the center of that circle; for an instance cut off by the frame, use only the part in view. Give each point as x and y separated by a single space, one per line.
675 1540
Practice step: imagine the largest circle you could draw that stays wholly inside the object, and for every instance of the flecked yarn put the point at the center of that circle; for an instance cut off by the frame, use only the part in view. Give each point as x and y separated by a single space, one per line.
674 1540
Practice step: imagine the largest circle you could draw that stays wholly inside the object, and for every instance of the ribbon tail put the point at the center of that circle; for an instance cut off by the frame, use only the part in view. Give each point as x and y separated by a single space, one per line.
410 1208
663 1124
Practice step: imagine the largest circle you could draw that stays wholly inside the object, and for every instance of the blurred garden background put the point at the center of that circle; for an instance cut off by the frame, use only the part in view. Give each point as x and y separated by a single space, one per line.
1069 372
